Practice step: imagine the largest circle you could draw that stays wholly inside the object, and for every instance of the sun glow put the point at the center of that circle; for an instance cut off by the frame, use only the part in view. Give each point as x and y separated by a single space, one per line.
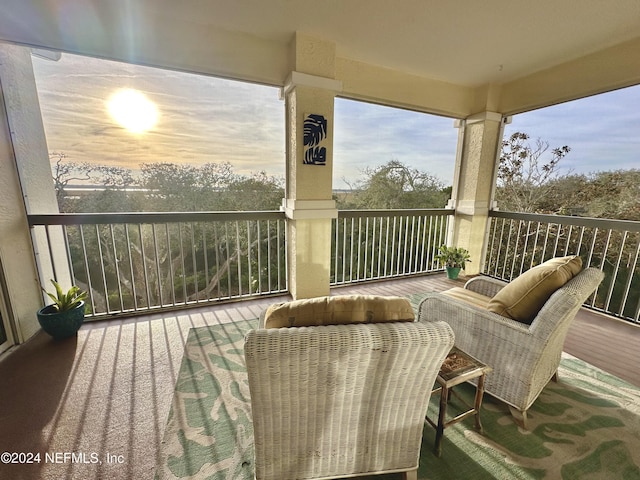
133 110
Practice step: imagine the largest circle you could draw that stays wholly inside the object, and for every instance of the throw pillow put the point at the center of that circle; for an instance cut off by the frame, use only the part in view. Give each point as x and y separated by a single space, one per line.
338 310
523 297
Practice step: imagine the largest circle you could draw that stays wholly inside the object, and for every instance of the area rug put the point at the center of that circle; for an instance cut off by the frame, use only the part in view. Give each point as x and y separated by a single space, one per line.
586 426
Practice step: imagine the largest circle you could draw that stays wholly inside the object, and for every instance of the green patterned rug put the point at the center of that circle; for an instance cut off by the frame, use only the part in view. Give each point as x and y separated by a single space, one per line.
586 426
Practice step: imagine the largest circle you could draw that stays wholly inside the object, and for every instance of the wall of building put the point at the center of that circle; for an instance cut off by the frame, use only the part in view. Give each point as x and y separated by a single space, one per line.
26 187
15 244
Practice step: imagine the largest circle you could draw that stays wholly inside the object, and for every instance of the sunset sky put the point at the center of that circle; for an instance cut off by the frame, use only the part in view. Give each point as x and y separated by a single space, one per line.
201 119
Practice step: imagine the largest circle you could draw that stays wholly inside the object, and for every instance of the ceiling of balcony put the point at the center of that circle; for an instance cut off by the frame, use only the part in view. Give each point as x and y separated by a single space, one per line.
467 43
464 42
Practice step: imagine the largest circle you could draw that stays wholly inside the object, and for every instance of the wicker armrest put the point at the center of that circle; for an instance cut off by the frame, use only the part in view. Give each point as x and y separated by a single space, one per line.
480 332
486 286
437 307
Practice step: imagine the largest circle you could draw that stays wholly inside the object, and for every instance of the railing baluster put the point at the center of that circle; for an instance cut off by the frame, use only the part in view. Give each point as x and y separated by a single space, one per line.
102 270
194 262
157 258
406 237
144 266
580 238
86 266
525 248
133 275
386 248
631 267
205 251
411 243
557 240
614 275
280 258
268 258
379 247
359 248
515 249
566 245
249 267
495 272
170 262
216 242
238 254
116 266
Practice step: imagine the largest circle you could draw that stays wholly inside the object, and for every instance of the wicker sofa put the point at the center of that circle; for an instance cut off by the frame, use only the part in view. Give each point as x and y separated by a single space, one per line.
341 398
525 353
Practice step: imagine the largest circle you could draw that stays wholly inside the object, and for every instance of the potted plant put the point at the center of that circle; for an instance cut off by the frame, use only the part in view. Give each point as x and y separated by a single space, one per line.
454 259
65 316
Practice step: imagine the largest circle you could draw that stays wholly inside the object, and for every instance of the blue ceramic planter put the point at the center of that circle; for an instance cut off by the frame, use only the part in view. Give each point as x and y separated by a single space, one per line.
61 324
453 272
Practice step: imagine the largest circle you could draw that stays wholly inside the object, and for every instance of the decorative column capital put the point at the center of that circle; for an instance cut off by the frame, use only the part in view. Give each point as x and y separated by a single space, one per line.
481 117
304 79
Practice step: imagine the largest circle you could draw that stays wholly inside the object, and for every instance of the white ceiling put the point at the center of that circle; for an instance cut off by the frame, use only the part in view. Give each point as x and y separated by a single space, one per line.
463 42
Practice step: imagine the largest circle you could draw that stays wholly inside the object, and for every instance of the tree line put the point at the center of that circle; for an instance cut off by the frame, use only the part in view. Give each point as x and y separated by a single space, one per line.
529 179
162 187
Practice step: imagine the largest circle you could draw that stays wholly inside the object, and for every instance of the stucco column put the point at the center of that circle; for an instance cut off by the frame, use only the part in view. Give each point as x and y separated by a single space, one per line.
26 186
479 144
309 95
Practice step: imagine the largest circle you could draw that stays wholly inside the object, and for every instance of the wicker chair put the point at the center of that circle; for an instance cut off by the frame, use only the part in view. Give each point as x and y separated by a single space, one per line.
335 401
524 357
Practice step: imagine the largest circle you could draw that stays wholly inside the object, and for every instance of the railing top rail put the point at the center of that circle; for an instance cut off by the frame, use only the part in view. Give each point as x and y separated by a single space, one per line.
601 223
149 217
395 212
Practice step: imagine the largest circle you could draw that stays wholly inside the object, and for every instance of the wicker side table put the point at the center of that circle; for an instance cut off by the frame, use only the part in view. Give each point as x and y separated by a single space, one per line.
458 367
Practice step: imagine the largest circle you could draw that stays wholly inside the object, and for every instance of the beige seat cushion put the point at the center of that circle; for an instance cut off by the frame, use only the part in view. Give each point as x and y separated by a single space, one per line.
522 298
339 310
468 296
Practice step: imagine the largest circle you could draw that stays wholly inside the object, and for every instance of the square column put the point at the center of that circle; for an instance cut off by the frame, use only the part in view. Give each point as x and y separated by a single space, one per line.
479 145
309 205
26 186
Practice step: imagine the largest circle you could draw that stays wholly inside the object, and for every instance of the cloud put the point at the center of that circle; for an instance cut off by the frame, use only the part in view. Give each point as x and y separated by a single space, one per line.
205 119
202 119
602 130
368 135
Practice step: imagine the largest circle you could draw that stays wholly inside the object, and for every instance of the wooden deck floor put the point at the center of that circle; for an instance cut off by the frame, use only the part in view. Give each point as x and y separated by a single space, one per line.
109 390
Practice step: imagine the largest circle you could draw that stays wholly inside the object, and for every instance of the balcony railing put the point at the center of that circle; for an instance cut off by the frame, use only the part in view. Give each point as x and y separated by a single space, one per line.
518 241
136 262
378 244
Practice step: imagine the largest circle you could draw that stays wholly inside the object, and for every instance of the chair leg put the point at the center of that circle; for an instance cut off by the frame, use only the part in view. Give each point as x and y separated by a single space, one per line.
519 417
410 475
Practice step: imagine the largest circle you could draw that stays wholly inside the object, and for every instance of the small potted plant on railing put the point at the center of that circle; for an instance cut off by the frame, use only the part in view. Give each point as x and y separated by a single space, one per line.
65 316
454 259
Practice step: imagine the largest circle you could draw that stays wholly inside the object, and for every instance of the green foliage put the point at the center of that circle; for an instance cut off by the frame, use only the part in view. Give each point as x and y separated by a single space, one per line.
164 187
394 185
453 256
613 194
66 301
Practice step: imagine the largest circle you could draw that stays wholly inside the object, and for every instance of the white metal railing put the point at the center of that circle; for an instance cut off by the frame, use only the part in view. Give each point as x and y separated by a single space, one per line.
136 262
518 241
377 244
